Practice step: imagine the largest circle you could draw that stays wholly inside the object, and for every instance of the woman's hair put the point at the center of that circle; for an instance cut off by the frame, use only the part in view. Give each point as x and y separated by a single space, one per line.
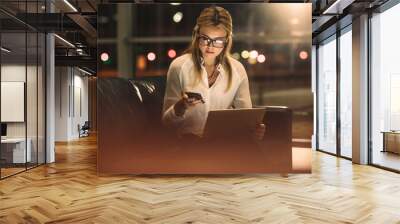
218 17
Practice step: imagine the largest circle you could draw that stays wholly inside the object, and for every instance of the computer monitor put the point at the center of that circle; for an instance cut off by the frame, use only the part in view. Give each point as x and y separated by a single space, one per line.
3 129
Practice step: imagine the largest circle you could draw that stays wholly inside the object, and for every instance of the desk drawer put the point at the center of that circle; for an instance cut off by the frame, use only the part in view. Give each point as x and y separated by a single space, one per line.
15 152
392 142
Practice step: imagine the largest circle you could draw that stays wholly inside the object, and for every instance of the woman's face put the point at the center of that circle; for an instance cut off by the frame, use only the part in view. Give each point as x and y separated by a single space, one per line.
212 40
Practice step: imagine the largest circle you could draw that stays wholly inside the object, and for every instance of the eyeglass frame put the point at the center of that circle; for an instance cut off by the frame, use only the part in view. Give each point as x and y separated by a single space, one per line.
211 41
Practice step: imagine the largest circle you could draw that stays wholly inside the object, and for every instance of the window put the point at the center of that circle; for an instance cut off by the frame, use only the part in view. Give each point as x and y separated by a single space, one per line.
346 93
385 88
327 96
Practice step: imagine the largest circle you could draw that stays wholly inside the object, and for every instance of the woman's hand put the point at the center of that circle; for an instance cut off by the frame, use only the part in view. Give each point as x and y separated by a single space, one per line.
184 103
259 132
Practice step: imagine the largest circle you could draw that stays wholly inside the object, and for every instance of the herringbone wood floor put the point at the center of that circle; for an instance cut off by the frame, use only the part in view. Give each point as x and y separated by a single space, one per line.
70 191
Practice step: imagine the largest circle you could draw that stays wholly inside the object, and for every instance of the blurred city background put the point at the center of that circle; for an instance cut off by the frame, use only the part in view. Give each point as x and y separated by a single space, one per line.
272 41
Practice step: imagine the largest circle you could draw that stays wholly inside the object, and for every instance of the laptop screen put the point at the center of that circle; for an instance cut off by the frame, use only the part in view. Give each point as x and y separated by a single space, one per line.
3 129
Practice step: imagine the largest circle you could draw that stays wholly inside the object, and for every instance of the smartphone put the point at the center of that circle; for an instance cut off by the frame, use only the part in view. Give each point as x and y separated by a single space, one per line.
196 96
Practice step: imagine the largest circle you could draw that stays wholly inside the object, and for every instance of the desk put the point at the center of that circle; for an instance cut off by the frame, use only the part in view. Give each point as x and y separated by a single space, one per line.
391 141
13 150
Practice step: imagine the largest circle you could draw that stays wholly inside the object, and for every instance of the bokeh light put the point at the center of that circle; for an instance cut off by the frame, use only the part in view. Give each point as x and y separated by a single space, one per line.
261 58
236 56
104 56
252 61
141 62
253 54
245 54
303 55
171 53
177 17
151 56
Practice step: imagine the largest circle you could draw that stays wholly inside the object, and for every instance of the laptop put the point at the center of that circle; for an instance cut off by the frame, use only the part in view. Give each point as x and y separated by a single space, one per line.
232 122
3 131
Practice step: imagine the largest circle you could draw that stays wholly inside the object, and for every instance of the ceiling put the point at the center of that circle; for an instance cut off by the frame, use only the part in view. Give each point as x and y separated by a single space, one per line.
76 22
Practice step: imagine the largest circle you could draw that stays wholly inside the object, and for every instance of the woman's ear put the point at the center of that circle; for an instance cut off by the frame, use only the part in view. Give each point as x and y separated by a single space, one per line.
226 42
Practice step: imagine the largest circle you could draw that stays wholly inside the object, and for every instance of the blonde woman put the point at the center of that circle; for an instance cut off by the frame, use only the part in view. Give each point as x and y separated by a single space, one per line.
208 69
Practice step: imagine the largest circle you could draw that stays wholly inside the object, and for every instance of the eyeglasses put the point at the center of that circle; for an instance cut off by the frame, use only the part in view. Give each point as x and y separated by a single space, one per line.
218 42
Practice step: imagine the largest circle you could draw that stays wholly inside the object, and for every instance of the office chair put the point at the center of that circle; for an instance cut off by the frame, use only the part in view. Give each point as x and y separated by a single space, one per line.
84 130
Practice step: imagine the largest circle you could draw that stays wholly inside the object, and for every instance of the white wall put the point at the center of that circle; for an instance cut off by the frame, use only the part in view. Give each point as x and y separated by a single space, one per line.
16 73
62 80
71 94
13 73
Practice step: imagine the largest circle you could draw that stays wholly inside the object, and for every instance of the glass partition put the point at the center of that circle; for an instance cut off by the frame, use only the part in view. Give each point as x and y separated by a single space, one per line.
22 88
31 99
13 109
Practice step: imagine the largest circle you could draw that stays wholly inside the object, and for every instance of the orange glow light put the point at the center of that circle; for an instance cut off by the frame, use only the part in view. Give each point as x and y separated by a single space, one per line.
141 62
171 53
303 55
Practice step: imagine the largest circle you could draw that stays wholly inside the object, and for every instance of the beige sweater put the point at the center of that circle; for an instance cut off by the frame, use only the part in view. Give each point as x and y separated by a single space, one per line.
181 78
